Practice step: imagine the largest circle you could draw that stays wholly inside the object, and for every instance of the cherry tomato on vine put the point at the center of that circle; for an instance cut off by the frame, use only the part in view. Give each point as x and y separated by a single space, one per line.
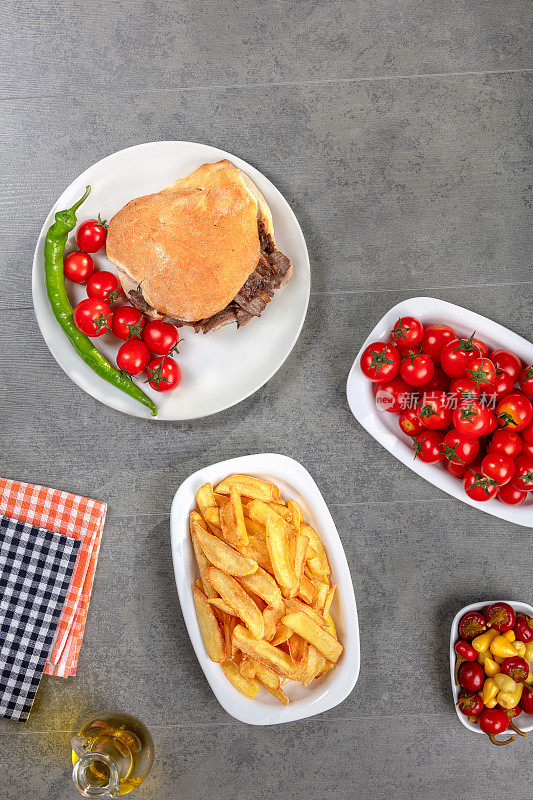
105 285
428 447
435 410
410 423
483 372
457 470
407 333
458 449
78 266
457 355
127 322
462 389
417 369
380 361
503 384
481 346
91 235
525 381
514 411
163 374
479 487
508 361
434 339
511 496
523 474
133 357
505 442
393 395
498 466
92 316
160 337
471 419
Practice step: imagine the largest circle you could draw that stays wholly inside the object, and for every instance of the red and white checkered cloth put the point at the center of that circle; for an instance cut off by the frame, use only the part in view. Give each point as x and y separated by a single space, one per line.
79 518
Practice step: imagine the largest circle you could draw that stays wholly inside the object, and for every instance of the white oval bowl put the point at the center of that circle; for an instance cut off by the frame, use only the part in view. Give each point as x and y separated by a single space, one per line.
524 721
383 425
294 481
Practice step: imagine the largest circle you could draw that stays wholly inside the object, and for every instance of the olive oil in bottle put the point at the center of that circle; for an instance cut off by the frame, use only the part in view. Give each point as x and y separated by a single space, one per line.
112 754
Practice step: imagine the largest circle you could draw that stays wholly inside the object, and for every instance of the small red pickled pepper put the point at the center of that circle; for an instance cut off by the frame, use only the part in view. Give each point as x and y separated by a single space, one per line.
517 668
470 704
465 652
526 701
511 714
501 617
472 624
524 628
493 721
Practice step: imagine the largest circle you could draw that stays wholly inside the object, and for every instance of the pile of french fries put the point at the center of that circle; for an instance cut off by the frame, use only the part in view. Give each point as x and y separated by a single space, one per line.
264 593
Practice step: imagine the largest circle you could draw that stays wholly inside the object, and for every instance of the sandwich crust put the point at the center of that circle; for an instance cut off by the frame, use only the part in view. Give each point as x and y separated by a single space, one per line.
191 246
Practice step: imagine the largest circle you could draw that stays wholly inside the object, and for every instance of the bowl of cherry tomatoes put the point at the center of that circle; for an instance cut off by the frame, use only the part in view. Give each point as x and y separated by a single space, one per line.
450 394
491 663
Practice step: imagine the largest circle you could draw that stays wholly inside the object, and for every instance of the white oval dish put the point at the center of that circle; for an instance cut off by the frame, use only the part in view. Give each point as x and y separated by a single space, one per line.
383 426
294 481
218 369
524 721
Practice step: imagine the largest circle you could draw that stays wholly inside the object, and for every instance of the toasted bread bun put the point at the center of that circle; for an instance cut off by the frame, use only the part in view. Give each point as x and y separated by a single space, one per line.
192 246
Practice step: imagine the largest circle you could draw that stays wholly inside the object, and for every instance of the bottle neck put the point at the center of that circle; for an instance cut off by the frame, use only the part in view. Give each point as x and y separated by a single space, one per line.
95 775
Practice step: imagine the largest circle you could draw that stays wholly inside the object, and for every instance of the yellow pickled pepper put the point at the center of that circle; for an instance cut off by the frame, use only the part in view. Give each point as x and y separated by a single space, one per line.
502 647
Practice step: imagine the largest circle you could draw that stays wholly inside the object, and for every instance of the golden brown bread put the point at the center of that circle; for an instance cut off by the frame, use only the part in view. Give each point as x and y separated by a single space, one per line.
191 246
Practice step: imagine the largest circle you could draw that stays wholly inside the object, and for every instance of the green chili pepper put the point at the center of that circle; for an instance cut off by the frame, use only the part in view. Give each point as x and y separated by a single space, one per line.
54 251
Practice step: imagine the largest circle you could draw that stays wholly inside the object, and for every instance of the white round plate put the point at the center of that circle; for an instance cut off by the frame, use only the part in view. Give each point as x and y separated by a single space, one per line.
219 369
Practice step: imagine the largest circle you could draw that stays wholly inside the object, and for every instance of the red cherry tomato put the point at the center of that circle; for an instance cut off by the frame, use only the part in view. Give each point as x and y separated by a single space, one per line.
435 410
434 339
526 381
417 369
439 382
498 466
127 322
163 374
457 470
503 384
410 423
527 433
91 235
502 617
479 487
428 447
511 496
160 337
527 449
407 333
133 356
523 475
105 285
493 422
483 372
472 624
505 442
78 267
471 676
458 449
481 346
92 316
463 389
380 361
393 396
514 411
457 355
508 361
472 419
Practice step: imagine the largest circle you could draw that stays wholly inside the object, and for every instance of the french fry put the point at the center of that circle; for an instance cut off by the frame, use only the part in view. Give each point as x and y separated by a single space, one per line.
314 634
260 511
232 521
282 510
248 688
319 565
271 618
254 528
257 550
202 562
220 499
282 635
223 556
307 590
249 486
329 600
319 600
298 546
331 625
314 665
296 515
196 518
247 667
235 596
212 517
264 585
278 549
205 498
297 647
218 602
209 627
295 605
264 652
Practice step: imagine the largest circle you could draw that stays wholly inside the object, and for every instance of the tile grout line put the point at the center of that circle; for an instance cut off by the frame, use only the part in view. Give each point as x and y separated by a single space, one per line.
274 84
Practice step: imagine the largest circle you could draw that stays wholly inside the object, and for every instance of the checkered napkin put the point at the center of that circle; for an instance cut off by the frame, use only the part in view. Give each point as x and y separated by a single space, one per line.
36 568
70 515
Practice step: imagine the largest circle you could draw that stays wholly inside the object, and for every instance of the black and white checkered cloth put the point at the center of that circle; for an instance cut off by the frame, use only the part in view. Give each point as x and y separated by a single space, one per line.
36 566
